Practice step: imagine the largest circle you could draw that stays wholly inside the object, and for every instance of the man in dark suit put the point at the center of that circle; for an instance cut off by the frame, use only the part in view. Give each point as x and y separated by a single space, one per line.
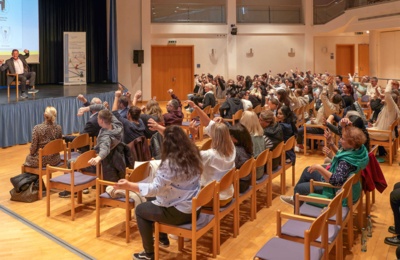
17 65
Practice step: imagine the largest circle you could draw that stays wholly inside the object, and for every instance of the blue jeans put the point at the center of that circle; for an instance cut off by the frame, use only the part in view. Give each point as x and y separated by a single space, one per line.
303 185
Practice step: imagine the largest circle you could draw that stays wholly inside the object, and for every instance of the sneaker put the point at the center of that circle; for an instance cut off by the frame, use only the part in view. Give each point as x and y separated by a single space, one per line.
287 199
143 255
65 194
392 230
33 91
85 191
163 242
24 95
175 237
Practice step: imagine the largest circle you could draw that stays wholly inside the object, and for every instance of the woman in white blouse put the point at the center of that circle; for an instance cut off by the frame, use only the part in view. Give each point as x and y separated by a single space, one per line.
175 184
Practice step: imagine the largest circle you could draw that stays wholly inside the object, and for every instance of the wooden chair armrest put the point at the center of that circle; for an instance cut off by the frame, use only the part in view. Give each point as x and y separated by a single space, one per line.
314 126
102 182
12 74
296 217
313 199
323 184
379 131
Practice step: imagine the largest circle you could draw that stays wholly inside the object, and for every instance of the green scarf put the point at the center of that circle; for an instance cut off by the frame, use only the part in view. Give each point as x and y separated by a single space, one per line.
358 158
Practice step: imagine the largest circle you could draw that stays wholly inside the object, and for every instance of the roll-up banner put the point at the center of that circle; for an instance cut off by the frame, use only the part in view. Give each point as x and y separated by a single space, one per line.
74 58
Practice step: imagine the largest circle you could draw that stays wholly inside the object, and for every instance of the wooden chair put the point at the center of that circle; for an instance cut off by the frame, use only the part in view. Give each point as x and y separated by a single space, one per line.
246 169
257 109
279 248
206 145
312 137
334 219
72 180
104 199
289 145
235 117
80 141
279 171
207 110
347 211
226 181
15 82
261 161
299 112
185 125
198 227
390 143
53 147
140 149
215 111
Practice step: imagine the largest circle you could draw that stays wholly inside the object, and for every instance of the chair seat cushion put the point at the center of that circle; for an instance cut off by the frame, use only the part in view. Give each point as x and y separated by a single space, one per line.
79 178
296 228
188 123
313 211
202 221
105 195
262 179
277 248
277 169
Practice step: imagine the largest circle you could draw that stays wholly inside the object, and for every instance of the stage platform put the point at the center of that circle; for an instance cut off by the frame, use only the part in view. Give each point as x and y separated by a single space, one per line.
18 117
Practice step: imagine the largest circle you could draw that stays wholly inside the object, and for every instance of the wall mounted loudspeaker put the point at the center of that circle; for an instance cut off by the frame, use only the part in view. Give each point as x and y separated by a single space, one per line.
138 57
233 29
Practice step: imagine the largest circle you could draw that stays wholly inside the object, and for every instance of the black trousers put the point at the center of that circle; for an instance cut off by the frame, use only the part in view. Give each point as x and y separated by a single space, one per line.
147 213
395 204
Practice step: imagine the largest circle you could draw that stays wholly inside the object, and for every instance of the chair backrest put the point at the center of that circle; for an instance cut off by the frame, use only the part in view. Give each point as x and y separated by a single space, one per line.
347 187
262 158
277 150
79 142
207 110
317 227
139 173
193 115
205 195
227 180
336 205
53 147
215 109
374 150
206 145
246 168
140 149
289 144
257 109
238 115
82 161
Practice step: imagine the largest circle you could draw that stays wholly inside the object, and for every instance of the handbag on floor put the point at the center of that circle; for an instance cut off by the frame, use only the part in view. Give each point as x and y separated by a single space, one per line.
28 195
22 181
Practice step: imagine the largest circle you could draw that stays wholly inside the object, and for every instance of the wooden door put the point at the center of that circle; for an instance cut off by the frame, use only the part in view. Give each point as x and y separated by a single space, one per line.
172 67
344 60
363 59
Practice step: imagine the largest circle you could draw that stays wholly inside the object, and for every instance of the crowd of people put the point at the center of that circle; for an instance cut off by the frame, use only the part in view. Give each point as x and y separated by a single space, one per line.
184 169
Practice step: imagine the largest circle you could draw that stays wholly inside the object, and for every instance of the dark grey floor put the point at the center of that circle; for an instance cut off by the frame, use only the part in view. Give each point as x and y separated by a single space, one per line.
54 91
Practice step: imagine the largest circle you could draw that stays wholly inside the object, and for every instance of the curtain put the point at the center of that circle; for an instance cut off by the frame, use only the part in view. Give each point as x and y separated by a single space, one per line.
112 48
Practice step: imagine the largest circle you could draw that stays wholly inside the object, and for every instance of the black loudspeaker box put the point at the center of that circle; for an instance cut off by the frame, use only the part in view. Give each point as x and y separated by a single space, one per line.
138 56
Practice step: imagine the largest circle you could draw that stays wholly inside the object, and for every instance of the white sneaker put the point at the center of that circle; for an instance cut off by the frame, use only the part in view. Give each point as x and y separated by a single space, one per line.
175 237
287 199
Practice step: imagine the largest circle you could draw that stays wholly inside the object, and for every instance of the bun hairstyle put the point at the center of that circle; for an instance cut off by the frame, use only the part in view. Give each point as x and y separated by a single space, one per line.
50 114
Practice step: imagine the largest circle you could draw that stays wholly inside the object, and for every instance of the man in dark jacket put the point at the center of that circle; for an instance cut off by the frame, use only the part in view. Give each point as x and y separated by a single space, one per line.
273 134
231 105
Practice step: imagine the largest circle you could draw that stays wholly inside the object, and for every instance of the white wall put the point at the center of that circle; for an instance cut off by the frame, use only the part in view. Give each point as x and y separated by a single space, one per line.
322 60
389 55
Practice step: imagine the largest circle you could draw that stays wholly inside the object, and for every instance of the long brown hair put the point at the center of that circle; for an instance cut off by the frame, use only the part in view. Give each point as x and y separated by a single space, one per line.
154 109
183 156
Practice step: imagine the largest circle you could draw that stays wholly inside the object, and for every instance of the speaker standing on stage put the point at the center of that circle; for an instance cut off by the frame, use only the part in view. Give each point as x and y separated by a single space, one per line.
17 65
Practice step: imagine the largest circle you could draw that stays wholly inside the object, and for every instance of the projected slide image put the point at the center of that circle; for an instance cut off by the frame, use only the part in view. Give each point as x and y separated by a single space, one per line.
19 28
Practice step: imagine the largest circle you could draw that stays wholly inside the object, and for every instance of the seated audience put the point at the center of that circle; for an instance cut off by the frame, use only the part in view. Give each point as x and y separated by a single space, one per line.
174 115
395 205
273 134
287 120
231 105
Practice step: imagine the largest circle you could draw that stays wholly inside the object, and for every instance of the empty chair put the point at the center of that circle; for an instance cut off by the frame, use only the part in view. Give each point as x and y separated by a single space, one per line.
78 142
289 145
279 248
72 180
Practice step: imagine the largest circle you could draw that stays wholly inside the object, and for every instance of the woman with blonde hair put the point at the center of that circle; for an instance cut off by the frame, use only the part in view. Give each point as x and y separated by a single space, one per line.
220 158
42 134
250 121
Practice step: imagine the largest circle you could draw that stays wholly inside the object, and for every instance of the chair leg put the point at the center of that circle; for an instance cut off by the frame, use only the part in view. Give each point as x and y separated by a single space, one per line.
293 175
40 195
283 181
156 241
73 205
127 226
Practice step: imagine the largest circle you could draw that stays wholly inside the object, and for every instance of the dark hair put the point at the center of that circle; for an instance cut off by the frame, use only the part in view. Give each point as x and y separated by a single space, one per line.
183 156
348 86
105 115
337 99
289 118
340 77
124 101
232 92
243 137
134 112
283 98
13 51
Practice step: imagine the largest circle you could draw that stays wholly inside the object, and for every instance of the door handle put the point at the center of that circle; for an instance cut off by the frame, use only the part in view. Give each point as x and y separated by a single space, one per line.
173 79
